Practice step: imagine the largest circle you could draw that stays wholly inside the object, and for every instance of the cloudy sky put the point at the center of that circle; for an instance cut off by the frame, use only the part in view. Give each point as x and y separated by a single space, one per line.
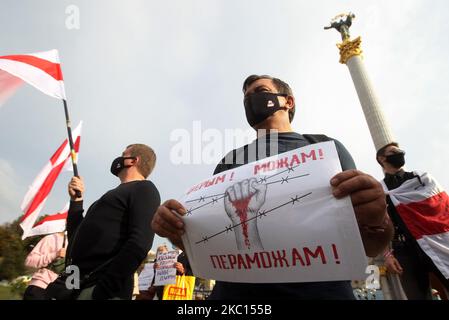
136 71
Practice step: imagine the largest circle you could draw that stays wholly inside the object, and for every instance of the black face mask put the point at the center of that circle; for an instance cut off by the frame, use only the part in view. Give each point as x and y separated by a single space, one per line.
397 160
118 164
261 105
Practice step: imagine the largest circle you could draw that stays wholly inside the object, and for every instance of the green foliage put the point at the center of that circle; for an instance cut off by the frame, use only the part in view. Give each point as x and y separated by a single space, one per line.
19 285
7 294
12 253
13 250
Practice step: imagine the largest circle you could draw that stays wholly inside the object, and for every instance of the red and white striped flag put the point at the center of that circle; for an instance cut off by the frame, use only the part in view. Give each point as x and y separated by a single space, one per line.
39 190
42 70
424 208
51 223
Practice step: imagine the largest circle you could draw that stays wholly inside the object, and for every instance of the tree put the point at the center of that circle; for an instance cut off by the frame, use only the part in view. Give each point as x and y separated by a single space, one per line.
12 253
13 250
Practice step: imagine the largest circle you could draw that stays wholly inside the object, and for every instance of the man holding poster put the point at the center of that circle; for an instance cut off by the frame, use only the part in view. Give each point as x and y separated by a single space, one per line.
279 219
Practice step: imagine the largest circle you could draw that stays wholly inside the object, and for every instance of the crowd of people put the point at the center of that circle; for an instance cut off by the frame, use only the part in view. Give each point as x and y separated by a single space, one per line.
112 238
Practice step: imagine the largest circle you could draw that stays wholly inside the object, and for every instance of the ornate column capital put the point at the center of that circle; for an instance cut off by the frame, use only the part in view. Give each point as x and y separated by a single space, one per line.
350 48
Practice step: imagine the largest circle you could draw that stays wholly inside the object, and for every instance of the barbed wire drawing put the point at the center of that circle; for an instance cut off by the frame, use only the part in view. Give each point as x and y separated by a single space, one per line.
219 196
240 219
260 215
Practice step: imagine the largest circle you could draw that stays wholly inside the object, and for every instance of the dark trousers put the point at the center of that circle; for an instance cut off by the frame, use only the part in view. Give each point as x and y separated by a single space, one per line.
417 266
34 293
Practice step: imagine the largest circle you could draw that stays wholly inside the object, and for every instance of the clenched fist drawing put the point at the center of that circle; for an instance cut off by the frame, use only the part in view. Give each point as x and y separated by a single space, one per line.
242 203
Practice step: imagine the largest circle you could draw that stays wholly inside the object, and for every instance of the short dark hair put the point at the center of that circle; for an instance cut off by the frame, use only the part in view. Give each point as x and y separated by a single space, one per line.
381 151
147 158
280 85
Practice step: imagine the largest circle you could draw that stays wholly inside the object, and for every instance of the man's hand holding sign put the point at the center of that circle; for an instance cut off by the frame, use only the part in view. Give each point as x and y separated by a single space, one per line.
368 201
303 229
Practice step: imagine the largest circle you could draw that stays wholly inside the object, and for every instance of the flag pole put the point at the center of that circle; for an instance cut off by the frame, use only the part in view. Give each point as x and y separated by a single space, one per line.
72 148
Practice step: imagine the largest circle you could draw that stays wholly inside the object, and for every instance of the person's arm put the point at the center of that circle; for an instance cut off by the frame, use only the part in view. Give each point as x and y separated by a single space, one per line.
370 208
75 214
346 160
376 238
143 204
391 263
184 260
179 268
44 253
368 200
166 224
74 218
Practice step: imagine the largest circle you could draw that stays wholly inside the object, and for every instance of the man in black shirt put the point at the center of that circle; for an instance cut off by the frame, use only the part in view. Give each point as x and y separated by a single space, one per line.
112 240
270 105
406 258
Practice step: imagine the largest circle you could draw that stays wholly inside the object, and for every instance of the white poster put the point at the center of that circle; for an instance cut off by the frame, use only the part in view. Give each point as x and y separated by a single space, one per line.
274 220
165 268
146 276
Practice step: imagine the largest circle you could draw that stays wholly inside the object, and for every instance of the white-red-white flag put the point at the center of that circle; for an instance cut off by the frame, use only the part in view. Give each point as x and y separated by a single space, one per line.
51 223
39 190
42 70
423 205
